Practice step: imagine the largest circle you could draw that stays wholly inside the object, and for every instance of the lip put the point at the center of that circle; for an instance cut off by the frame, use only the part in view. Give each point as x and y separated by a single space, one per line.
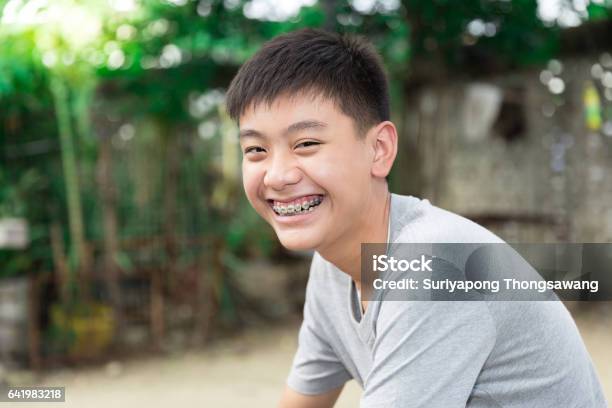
290 199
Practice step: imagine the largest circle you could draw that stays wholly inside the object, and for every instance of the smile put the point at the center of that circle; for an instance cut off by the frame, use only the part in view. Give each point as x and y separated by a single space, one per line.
298 206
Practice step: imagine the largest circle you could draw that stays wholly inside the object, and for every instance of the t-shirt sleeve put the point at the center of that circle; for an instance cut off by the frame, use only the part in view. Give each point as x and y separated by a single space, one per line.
428 353
316 367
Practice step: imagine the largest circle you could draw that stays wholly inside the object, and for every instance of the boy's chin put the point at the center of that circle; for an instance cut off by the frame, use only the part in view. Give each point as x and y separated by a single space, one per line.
292 246
296 243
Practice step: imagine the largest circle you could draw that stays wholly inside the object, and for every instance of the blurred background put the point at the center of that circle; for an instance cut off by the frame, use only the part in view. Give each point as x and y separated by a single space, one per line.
132 268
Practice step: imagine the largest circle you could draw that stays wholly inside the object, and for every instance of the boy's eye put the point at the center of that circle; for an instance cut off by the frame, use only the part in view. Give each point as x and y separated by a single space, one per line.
307 143
253 149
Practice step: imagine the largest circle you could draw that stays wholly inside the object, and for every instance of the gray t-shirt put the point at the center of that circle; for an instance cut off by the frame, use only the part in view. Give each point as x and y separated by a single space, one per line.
439 354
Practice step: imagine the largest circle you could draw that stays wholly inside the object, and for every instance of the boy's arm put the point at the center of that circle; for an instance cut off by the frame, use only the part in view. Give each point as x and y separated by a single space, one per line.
293 399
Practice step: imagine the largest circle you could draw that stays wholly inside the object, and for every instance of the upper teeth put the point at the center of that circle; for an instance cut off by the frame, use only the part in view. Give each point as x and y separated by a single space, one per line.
297 206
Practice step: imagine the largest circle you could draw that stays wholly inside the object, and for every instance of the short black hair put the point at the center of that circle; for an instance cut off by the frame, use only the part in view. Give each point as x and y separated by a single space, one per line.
345 68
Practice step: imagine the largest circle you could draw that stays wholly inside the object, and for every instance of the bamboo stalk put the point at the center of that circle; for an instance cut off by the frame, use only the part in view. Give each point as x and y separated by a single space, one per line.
75 213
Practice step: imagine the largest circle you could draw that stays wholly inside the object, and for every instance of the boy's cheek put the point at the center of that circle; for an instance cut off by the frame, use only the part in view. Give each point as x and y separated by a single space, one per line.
252 197
250 178
247 184
251 187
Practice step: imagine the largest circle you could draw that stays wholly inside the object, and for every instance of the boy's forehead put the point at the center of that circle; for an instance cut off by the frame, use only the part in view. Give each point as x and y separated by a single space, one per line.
289 109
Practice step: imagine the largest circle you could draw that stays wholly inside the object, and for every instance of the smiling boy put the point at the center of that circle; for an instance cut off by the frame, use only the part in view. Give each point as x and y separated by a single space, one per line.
318 143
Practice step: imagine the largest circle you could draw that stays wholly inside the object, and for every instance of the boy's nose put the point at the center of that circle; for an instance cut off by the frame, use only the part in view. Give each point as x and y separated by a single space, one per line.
281 174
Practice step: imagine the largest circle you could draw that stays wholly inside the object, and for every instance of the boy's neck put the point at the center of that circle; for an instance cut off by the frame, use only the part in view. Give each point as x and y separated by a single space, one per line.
372 227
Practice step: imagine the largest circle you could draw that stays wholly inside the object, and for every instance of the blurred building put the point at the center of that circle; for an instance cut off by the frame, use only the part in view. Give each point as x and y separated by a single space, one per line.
526 153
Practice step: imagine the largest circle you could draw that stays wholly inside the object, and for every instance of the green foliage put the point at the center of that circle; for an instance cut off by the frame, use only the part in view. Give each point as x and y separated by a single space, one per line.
16 196
599 11
248 234
509 31
133 76
14 192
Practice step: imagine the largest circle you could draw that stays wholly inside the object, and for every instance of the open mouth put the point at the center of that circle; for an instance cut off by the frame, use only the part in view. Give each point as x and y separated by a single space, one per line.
302 205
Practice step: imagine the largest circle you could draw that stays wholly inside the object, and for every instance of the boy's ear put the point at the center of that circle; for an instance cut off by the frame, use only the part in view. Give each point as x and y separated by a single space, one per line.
384 141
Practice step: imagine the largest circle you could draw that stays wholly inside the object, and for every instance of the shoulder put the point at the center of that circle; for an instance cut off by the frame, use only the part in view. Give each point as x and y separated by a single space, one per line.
417 220
536 322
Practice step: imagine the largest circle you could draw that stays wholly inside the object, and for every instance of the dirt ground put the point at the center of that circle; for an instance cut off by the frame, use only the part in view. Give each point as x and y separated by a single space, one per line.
246 371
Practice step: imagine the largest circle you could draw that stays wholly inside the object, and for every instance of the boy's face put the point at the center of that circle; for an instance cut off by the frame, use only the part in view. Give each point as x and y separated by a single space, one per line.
306 171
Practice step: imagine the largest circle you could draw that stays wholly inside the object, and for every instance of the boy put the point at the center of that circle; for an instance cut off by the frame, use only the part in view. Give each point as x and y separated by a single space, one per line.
313 113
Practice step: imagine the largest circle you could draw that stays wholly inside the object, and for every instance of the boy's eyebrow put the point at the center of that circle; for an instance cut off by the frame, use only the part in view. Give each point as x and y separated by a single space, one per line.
304 124
294 127
249 133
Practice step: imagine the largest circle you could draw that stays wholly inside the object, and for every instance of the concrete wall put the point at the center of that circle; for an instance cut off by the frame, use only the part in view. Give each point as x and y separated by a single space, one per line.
550 182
